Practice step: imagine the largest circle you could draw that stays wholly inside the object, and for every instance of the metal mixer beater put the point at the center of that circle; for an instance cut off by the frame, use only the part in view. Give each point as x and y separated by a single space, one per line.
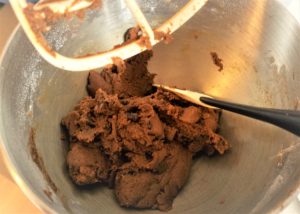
36 19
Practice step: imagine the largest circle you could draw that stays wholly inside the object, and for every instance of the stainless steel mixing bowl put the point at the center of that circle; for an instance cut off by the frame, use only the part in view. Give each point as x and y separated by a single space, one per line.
259 43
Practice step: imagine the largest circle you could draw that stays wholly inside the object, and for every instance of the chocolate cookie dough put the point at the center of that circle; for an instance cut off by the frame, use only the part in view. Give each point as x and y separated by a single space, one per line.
138 139
217 60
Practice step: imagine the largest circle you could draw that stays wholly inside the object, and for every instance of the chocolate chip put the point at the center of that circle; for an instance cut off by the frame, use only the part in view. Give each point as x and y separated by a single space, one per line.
124 102
108 127
91 123
148 155
133 117
162 167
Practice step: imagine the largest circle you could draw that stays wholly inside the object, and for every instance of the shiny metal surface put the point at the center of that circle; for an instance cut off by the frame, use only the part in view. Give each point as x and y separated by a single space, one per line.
259 44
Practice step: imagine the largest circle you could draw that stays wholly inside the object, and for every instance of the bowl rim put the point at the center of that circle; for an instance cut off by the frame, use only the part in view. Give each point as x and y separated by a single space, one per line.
8 162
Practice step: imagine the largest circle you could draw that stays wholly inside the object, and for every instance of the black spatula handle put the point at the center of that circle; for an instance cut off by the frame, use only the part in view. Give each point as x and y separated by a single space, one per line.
285 119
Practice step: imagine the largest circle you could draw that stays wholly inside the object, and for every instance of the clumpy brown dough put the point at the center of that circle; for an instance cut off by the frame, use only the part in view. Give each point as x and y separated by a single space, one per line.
130 78
88 164
135 138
